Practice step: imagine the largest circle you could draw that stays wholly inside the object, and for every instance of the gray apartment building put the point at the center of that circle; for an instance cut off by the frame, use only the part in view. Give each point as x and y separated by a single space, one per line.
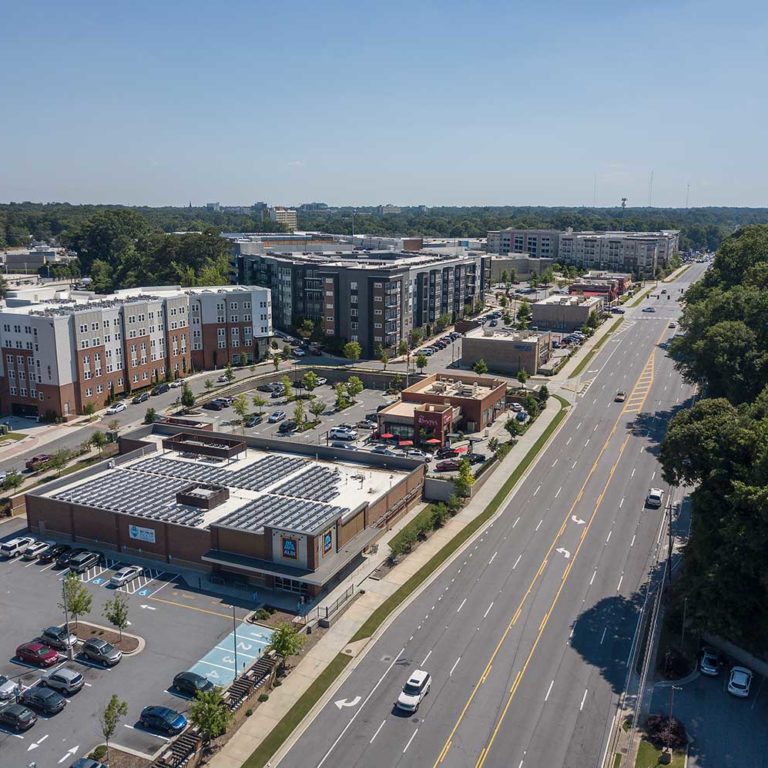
374 297
537 243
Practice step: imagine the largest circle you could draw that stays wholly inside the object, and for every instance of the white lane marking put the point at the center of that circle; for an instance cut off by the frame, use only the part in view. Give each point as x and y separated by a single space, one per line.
554 462
516 562
621 503
578 426
360 709
455 664
573 466
413 736
549 690
587 443
558 491
493 557
583 699
425 658
603 637
632 543
609 536
538 488
594 401
653 475
568 441
516 522
618 589
462 605
633 472
488 610
591 581
597 425
377 731
539 525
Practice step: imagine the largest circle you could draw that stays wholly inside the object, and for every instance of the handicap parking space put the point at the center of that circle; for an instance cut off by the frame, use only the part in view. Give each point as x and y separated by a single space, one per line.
234 653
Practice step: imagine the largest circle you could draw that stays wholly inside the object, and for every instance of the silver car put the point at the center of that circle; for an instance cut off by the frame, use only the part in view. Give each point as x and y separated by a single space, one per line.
8 689
64 680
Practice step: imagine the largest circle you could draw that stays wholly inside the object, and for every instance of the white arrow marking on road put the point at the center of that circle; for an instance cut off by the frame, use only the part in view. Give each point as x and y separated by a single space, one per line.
148 607
341 703
564 552
70 753
577 520
37 743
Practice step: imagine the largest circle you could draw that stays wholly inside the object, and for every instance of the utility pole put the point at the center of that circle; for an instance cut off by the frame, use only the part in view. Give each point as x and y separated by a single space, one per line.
670 538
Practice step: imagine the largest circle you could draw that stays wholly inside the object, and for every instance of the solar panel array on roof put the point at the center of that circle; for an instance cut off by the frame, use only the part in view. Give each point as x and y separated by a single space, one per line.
281 513
319 483
133 493
253 477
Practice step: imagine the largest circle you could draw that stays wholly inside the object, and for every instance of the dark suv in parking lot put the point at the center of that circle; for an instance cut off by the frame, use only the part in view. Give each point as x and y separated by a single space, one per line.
43 700
85 560
63 558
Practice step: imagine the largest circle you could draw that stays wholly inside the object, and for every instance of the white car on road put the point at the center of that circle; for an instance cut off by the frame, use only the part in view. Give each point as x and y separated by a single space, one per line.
414 691
654 498
126 574
739 681
116 408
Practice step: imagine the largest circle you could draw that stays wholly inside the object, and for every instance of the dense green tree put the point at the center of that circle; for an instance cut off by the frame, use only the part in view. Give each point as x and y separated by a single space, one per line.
480 367
210 714
353 351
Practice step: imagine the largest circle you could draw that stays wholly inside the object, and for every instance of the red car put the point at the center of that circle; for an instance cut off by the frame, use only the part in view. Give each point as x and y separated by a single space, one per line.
448 466
38 654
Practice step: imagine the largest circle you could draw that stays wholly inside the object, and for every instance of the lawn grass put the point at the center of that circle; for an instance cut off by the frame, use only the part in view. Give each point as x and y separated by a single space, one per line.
296 713
380 614
592 352
648 756
14 436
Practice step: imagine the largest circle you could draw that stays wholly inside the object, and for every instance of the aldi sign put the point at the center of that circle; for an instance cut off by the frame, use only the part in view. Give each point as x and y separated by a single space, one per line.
141 534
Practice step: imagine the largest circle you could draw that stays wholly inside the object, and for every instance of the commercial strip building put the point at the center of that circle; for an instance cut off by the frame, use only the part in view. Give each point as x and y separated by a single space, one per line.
640 253
274 515
565 313
373 297
63 350
507 351
31 259
440 404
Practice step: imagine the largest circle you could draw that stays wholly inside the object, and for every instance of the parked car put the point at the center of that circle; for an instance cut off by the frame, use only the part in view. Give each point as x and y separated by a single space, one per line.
46 701
672 325
383 450
225 401
416 453
125 575
321 381
446 453
17 717
9 689
142 397
415 689
64 680
37 462
521 416
176 383
618 311
162 719
101 651
276 416
345 446
222 379
476 458
449 465
35 549
62 560
342 433
15 547
428 352
86 762
58 638
298 352
710 663
277 392
116 408
214 405
160 389
85 560
287 426
739 682
366 424
516 407
50 553
654 498
38 654
264 388
253 421
190 683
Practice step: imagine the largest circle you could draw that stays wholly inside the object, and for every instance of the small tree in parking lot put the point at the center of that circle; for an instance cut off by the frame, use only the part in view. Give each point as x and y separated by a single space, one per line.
187 396
259 402
76 599
229 373
287 388
464 480
299 415
240 406
116 612
342 396
109 718
421 361
310 380
355 386
316 408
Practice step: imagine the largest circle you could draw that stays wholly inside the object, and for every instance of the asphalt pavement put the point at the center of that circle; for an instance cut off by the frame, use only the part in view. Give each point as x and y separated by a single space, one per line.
527 634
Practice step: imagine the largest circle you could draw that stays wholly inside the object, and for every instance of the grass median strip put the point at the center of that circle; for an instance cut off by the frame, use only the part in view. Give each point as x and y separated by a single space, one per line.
397 597
296 713
592 352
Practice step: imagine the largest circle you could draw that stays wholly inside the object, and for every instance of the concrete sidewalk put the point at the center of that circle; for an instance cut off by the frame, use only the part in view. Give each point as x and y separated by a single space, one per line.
257 727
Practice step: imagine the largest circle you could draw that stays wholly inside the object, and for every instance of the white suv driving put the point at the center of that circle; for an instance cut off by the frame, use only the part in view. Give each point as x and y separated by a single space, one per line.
414 691
654 498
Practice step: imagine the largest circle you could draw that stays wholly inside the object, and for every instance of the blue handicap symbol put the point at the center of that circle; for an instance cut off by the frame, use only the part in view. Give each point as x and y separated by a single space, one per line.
143 592
98 581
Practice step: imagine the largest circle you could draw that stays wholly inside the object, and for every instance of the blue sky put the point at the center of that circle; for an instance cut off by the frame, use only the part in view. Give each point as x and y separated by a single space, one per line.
441 103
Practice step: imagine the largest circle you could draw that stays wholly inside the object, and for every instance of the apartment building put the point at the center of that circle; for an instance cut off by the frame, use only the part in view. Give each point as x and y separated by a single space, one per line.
285 216
63 350
638 253
537 243
375 298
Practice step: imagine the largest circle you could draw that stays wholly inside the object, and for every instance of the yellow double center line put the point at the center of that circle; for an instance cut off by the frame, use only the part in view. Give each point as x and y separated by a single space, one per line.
519 610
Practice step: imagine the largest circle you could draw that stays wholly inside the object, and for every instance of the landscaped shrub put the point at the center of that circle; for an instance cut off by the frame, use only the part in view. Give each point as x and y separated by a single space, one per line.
664 731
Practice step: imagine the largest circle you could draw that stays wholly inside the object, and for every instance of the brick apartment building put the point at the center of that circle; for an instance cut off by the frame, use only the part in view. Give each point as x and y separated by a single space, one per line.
63 350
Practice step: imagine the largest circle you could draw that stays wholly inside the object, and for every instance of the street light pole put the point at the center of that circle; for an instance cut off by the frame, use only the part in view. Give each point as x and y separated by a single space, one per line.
70 653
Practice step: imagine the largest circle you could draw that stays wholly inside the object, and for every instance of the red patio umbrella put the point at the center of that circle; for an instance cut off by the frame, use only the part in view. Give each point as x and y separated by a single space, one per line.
432 441
386 436
461 449
406 442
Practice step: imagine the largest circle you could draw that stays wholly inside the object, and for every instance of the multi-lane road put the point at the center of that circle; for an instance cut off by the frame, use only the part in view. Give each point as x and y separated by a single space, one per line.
528 631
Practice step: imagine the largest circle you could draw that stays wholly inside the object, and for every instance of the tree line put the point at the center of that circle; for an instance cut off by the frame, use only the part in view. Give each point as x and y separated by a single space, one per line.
720 444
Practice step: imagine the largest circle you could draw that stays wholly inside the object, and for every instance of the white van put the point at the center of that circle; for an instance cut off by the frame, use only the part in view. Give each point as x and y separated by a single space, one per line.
15 547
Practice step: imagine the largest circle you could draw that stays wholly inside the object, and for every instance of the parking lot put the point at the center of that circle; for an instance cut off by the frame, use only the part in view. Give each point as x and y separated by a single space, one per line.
725 731
183 629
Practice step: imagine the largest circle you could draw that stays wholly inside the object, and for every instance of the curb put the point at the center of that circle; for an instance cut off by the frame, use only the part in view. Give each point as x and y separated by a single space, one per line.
142 643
